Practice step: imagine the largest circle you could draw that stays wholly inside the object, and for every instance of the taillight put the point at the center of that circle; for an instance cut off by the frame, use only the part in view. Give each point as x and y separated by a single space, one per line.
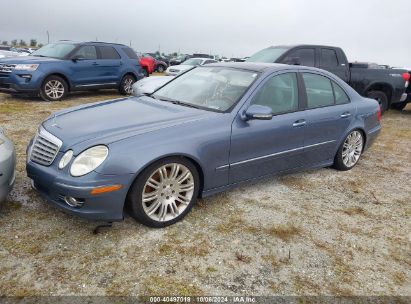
406 76
379 113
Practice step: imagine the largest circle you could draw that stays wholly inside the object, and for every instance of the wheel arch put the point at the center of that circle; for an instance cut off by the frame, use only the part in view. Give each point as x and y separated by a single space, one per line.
383 87
355 128
59 74
190 158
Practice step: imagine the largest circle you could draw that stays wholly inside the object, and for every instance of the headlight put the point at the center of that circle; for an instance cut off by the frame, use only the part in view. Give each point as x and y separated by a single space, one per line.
88 160
65 159
26 67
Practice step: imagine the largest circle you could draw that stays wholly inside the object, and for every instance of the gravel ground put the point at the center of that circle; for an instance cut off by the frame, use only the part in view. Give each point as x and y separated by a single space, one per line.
319 232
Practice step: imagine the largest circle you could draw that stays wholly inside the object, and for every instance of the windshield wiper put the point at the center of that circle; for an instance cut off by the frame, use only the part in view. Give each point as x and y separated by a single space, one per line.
176 102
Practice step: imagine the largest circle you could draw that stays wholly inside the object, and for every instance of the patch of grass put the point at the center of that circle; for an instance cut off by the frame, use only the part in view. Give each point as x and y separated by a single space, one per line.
242 257
354 211
276 262
199 249
166 286
211 269
284 232
399 278
304 285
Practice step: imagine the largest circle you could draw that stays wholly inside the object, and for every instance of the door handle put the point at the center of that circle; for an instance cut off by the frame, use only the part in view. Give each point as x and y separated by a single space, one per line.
299 123
345 115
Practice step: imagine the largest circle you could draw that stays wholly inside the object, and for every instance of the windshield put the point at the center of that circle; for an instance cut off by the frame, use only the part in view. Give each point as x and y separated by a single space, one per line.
215 88
55 50
269 55
193 62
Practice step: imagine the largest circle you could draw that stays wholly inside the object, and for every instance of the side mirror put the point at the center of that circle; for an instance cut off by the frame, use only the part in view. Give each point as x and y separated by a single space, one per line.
293 61
76 58
258 112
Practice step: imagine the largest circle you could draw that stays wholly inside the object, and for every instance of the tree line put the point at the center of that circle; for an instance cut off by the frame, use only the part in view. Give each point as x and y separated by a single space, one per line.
22 43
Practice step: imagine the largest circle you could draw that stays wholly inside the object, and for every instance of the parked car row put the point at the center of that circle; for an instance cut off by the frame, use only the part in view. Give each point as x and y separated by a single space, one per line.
188 64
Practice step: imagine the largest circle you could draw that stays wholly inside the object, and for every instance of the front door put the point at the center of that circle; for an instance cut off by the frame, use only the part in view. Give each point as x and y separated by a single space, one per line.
85 67
262 147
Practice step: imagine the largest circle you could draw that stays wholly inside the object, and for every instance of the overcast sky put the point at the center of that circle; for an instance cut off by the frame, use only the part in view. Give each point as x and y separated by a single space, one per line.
368 30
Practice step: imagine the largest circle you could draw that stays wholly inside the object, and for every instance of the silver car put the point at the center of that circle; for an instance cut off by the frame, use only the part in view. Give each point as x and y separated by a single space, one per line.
7 165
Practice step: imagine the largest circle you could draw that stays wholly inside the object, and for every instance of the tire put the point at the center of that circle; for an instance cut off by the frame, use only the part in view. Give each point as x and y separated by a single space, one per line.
382 99
350 151
399 106
173 199
145 72
54 88
126 85
161 68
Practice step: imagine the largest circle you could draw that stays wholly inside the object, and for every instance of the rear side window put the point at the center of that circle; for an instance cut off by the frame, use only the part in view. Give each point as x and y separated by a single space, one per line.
108 52
306 56
328 58
319 90
339 94
130 53
280 93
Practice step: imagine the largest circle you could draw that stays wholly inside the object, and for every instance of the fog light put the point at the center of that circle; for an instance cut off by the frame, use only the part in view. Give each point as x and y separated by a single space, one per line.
73 202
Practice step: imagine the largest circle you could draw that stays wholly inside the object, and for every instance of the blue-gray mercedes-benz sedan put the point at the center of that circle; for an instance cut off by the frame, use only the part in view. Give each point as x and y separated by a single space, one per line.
204 131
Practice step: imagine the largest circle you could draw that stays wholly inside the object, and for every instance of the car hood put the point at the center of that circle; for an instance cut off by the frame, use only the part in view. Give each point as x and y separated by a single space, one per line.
114 120
28 59
182 67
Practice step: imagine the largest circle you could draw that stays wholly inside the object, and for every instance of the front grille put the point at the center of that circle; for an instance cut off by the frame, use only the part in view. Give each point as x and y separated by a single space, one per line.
7 68
45 148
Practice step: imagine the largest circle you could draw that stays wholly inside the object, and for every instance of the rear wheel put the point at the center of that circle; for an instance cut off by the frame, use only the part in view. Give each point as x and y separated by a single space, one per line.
160 68
126 85
145 72
54 88
381 97
399 106
164 192
350 151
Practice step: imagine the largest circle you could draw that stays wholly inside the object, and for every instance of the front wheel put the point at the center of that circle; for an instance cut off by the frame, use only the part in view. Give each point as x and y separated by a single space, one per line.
382 99
54 88
126 85
164 192
350 151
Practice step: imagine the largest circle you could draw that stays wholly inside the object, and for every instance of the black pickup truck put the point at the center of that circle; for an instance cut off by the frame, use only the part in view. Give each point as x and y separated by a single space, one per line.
388 86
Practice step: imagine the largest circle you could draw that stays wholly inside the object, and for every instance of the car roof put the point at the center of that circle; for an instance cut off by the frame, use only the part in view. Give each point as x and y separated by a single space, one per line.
252 66
290 46
90 42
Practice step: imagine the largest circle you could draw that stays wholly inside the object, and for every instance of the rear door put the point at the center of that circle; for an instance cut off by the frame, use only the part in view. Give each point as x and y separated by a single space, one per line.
85 67
328 116
109 65
329 61
262 147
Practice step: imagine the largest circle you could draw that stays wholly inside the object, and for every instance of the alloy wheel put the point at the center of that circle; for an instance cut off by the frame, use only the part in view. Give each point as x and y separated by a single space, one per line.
168 192
54 89
352 148
128 85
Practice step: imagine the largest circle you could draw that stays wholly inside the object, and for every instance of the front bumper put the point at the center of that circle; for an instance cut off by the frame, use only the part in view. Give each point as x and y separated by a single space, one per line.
55 185
21 82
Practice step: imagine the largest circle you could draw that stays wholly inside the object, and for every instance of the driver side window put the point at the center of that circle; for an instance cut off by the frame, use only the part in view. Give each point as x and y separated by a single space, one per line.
87 52
280 93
